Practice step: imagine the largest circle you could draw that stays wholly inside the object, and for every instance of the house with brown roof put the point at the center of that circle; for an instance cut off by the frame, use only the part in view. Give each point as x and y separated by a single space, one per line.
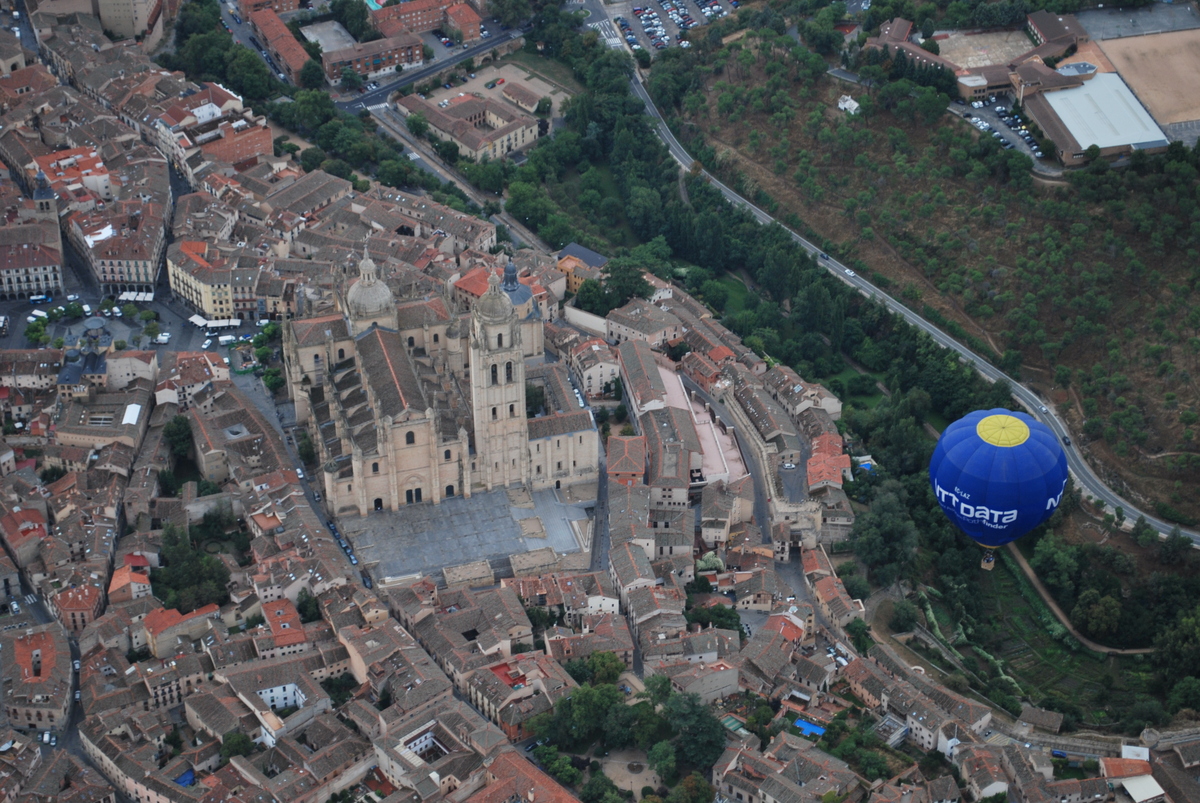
640 320
478 126
627 459
835 603
36 666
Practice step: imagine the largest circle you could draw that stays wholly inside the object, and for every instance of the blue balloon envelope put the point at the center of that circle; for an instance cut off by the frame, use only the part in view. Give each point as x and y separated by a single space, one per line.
998 474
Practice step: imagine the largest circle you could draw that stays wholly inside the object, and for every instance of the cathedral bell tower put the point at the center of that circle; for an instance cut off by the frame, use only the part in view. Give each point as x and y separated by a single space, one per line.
498 387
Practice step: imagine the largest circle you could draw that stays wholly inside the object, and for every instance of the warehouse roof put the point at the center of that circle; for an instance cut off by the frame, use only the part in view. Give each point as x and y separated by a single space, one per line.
1104 112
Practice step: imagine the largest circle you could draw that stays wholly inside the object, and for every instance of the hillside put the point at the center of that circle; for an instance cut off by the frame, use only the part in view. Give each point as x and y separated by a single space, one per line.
1088 283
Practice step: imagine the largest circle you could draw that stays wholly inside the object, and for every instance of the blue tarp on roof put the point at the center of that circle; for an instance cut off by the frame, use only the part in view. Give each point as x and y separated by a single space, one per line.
187 779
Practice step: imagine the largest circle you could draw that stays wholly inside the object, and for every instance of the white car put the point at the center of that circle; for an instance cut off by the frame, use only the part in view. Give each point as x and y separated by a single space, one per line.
849 272
73 297
206 343
300 473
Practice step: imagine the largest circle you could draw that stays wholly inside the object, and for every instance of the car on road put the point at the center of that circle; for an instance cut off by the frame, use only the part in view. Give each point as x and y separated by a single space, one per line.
236 18
16 609
300 473
75 664
206 343
1044 409
54 740
1067 440
849 272
35 300
499 81
353 561
789 466
77 695
256 44
73 297
824 256
317 495
529 747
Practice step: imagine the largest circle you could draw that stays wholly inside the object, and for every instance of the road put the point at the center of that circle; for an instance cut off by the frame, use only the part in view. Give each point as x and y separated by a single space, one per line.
379 96
1085 477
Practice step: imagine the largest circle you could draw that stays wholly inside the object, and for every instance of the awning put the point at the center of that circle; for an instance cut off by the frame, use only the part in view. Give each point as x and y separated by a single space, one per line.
197 320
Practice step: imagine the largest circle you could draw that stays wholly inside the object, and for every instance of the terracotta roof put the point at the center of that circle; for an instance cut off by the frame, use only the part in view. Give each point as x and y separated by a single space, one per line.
515 778
158 621
284 621
127 575
627 454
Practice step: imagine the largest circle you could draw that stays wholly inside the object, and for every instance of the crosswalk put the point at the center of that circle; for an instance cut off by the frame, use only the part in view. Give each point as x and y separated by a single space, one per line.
608 33
378 107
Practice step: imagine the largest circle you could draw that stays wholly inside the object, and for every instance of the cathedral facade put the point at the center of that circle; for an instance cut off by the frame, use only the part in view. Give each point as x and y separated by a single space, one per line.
416 402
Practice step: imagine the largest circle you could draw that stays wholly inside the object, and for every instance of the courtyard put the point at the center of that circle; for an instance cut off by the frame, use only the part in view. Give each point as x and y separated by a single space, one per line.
970 50
423 539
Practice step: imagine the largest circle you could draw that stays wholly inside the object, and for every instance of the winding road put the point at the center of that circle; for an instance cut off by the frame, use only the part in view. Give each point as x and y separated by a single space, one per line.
1083 473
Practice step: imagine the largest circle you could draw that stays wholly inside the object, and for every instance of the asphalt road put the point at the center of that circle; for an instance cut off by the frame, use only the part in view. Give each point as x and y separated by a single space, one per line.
1084 476
378 96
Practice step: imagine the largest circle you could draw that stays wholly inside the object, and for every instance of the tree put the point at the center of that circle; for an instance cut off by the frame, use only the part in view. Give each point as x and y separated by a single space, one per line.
312 158
52 474
579 670
150 329
74 310
1185 694
417 125
178 434
130 311
353 16
885 537
311 75
606 667
544 106
236 743
599 789
1096 615
857 587
189 577
904 616
511 12
273 380
623 280
535 399
1175 548
657 689
351 79
693 789
859 633
120 345
700 736
308 606
661 759
306 450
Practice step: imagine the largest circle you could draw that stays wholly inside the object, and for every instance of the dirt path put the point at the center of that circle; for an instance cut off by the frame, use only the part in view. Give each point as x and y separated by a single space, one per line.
1058 612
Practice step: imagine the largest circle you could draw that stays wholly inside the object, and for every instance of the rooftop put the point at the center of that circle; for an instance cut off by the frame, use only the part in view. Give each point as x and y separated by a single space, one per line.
1104 112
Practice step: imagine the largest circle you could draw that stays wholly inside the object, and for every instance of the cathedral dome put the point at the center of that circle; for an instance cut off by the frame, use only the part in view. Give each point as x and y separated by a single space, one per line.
494 305
369 297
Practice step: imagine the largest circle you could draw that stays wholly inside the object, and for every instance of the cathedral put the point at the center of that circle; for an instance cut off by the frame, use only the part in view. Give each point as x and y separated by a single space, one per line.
414 401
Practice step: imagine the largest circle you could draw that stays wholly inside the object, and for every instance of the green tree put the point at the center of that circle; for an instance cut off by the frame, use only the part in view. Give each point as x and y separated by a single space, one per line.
189 577
351 79
417 125
52 474
308 606
661 759
130 311
511 12
606 666
599 789
1095 615
312 158
1185 694
1175 548
247 74
904 616
306 450
74 310
860 634
700 736
311 75
857 587
178 434
623 280
693 789
236 743
885 537
353 16
657 689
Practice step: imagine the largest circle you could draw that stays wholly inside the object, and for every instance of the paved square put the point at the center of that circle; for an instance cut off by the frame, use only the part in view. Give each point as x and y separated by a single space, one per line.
969 50
422 539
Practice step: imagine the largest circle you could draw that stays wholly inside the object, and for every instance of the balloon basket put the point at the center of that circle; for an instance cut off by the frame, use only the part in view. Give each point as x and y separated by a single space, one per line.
989 560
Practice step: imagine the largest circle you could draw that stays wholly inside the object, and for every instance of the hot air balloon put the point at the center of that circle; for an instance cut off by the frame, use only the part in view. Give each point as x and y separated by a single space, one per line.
997 475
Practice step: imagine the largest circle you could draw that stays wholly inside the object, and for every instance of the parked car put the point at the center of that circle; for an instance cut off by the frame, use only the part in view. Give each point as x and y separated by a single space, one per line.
73 297
236 18
206 344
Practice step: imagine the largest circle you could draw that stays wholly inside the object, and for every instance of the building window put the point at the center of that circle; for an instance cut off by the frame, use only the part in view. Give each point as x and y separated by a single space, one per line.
341 354
495 375
493 413
446 456
508 372
435 337
449 490
411 342
499 341
410 438
512 411
375 466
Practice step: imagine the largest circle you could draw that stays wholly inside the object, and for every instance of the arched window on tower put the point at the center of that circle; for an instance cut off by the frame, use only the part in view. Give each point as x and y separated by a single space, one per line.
341 354
410 438
495 375
508 372
411 342
500 341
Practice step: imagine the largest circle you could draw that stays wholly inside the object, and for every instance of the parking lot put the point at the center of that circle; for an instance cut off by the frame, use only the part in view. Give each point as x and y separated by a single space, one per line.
444 46
1001 124
659 26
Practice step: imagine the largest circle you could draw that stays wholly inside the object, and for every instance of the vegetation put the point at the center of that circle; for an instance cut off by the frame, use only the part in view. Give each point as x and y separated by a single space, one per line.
178 435
206 52
189 578
599 668
340 689
236 743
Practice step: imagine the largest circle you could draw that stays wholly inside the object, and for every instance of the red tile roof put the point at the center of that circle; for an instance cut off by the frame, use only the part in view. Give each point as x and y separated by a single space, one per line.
157 621
627 454
511 777
127 575
284 621
23 650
